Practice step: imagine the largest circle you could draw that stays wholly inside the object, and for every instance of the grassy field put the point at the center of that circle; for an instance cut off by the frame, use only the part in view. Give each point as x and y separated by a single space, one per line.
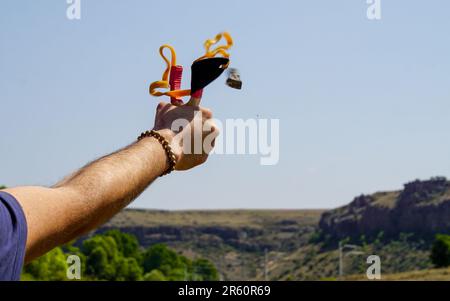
422 275
229 218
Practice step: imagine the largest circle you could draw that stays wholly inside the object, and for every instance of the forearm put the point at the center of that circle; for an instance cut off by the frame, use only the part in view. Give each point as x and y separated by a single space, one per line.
108 184
115 180
89 197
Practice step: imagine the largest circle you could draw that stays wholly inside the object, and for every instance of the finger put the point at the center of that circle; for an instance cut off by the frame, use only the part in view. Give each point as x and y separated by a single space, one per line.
160 106
166 108
207 113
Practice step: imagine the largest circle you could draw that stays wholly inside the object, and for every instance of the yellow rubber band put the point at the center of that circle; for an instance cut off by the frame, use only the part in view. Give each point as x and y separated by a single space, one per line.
164 82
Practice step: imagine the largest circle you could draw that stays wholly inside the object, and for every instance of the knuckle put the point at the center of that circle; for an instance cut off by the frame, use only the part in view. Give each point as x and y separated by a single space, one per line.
211 127
161 105
215 130
207 113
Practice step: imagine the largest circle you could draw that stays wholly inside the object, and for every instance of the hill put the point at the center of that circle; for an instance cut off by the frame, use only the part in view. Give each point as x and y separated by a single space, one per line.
236 240
422 208
303 244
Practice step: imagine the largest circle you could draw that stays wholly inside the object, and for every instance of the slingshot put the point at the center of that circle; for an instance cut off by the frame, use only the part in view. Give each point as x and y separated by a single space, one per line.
204 71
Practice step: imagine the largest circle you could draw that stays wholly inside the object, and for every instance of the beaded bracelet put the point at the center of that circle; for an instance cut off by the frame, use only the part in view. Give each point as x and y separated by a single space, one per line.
171 158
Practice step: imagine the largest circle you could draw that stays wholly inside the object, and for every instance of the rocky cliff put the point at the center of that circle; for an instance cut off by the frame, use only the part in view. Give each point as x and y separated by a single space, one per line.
422 207
249 230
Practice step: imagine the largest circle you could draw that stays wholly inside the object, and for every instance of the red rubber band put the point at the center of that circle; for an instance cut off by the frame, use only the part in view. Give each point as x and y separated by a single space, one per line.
176 74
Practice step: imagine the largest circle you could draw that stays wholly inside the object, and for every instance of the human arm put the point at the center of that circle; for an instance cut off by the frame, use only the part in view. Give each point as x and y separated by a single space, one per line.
95 193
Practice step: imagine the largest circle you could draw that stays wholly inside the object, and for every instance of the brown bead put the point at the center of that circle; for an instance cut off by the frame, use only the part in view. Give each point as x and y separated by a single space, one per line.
171 158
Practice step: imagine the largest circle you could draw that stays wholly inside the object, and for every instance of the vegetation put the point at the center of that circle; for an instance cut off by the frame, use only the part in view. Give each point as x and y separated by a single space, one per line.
417 275
296 249
117 256
440 251
232 218
289 244
51 266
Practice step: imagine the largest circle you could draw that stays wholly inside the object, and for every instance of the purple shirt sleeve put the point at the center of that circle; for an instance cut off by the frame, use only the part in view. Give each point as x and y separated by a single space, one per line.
13 237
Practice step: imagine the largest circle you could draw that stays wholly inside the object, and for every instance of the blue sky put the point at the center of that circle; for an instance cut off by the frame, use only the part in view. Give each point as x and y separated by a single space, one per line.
363 105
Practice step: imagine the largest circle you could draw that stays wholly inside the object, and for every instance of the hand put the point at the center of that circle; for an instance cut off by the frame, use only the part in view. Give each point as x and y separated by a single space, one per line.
190 131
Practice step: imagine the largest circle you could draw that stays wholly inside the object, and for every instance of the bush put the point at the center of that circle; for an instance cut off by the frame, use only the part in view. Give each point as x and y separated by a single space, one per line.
116 256
440 251
128 270
102 257
52 267
160 257
155 275
127 244
205 270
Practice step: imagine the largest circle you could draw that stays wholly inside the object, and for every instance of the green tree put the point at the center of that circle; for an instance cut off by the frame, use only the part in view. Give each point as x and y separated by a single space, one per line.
127 244
174 267
155 275
51 266
205 270
116 256
440 251
128 269
160 257
2 187
102 256
105 256
178 274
